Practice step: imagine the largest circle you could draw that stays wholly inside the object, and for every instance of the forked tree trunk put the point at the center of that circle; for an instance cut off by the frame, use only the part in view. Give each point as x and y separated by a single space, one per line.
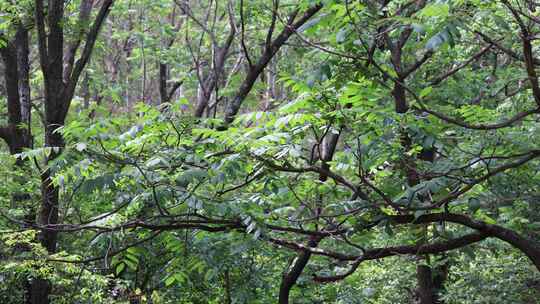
291 276
61 74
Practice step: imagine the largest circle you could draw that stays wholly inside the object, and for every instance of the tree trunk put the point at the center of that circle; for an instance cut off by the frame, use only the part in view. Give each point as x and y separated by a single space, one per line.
16 62
23 64
11 133
48 215
49 192
425 284
85 91
204 92
290 277
439 277
60 77
39 292
163 76
227 283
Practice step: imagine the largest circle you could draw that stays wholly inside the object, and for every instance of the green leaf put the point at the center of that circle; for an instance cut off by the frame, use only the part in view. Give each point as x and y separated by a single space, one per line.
170 280
436 10
119 268
474 204
425 92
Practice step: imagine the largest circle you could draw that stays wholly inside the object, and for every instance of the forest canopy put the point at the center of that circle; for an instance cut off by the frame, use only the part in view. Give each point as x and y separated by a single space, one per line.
269 151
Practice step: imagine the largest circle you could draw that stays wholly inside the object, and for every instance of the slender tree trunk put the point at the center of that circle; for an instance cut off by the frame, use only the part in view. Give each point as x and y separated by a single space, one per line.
11 133
163 75
204 93
270 93
85 91
23 64
425 287
227 283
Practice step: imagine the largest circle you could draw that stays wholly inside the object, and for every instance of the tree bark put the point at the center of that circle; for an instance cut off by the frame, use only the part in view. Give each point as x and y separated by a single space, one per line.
23 64
61 75
439 276
12 134
85 91
163 75
425 284
227 283
289 278
529 247
39 292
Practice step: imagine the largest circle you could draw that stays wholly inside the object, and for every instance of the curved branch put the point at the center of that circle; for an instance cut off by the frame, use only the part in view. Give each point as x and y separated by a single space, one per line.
528 246
460 66
378 253
530 156
518 117
322 171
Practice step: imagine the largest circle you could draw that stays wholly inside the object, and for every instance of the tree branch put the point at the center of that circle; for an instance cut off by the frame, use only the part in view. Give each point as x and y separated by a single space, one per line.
268 53
85 56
